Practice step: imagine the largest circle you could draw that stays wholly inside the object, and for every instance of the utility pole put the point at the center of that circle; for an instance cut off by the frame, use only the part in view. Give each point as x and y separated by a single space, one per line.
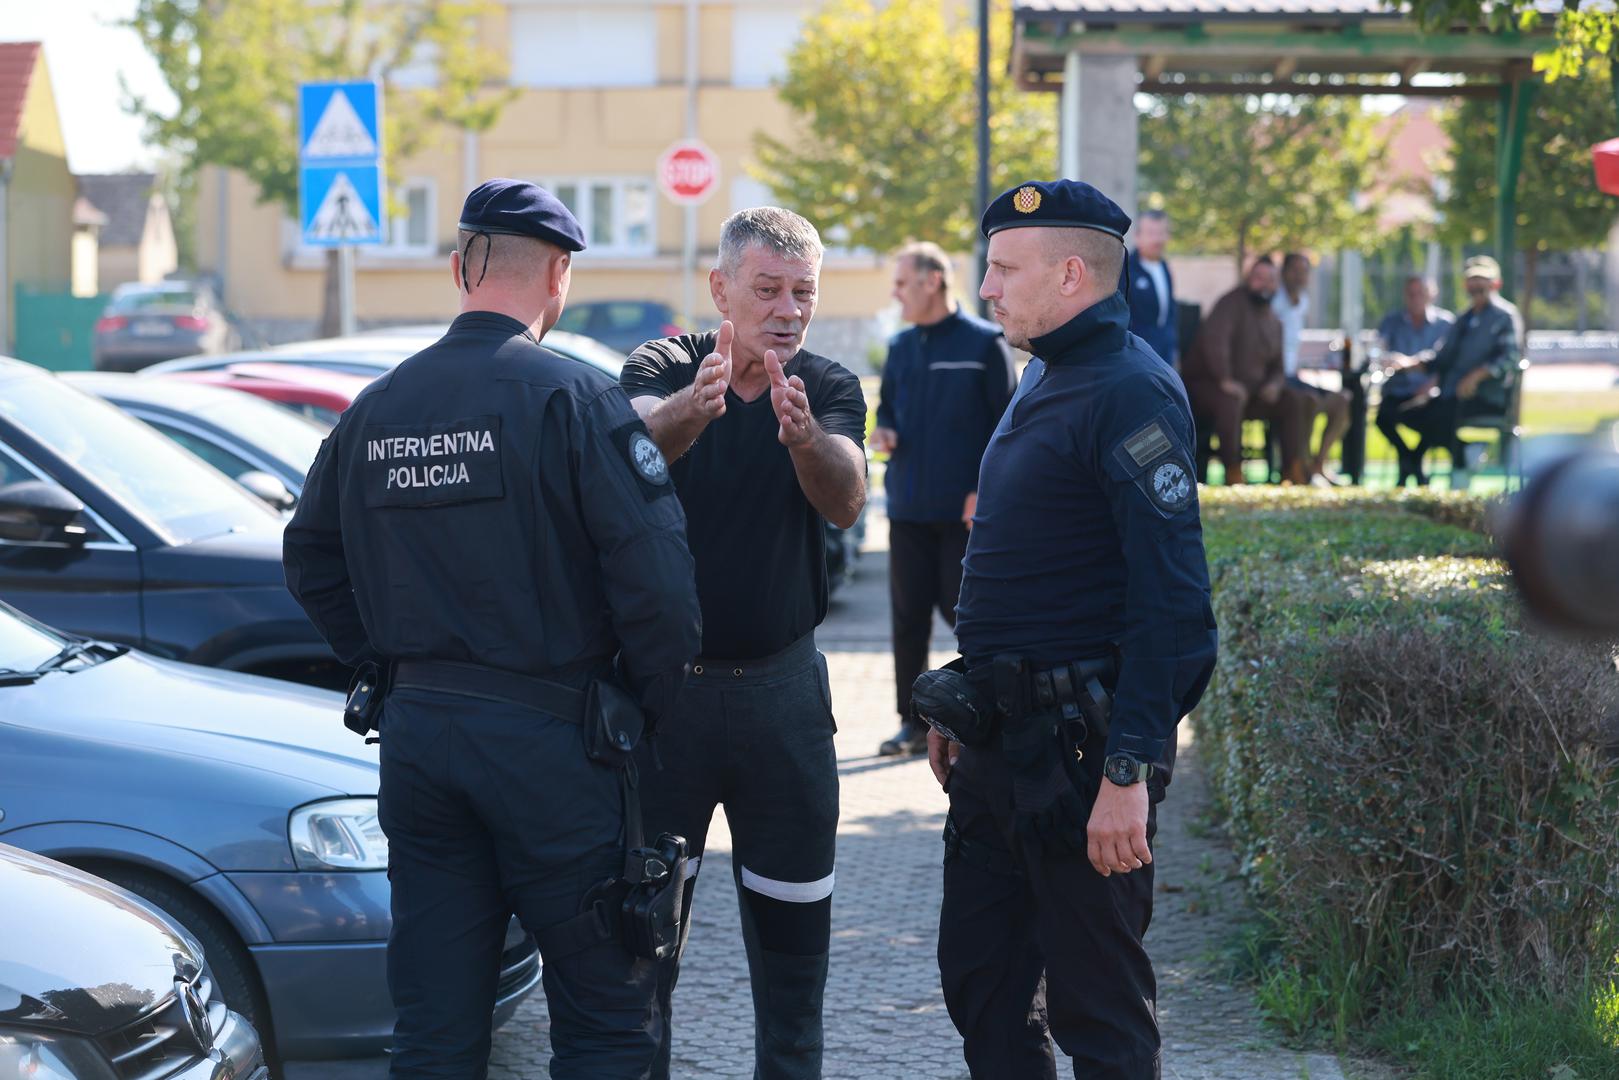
981 246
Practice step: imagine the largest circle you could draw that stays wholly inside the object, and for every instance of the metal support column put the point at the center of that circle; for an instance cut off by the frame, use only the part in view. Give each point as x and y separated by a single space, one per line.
980 246
1517 97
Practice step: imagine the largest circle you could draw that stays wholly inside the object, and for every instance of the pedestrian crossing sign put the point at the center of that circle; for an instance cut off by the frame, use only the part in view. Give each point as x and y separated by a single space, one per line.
338 121
341 205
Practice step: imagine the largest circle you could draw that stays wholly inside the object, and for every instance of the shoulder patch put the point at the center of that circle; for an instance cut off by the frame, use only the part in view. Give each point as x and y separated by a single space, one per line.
1159 466
644 458
1171 487
1148 444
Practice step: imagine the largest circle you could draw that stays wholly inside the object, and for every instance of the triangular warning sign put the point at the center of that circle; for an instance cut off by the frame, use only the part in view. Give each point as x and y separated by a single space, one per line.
340 133
342 214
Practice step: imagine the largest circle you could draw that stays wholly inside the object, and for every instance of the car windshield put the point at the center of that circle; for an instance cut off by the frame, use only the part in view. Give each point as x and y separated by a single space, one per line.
24 643
588 350
153 299
282 434
148 473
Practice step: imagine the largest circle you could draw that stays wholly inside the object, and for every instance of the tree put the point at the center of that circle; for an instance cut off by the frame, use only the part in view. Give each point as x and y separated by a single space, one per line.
885 100
1250 175
1559 205
1584 32
235 66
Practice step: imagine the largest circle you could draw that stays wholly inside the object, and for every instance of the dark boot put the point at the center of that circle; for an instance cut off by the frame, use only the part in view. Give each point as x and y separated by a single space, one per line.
911 738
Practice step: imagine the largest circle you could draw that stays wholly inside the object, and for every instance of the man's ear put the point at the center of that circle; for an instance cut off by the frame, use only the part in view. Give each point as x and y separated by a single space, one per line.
1075 274
716 289
556 272
455 268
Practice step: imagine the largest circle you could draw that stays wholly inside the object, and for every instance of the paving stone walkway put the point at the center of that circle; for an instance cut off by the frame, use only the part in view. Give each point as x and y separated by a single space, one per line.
885 1015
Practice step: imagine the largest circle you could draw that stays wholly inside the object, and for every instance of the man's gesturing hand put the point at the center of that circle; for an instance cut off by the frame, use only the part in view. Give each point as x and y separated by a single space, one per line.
1117 833
714 376
791 403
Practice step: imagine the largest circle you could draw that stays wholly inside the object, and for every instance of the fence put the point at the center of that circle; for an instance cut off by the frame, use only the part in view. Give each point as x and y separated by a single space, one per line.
56 329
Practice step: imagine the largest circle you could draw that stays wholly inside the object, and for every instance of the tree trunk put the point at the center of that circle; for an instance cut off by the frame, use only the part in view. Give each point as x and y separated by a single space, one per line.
331 323
1526 295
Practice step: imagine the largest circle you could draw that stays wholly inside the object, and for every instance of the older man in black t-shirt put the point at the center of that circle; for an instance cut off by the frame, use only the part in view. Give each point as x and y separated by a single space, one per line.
764 440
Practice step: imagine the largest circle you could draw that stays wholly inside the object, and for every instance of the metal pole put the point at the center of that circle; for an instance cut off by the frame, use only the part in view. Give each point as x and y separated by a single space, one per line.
980 246
345 290
1513 120
688 247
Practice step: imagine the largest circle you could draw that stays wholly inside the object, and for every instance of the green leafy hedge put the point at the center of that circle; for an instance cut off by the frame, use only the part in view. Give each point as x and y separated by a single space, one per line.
1423 788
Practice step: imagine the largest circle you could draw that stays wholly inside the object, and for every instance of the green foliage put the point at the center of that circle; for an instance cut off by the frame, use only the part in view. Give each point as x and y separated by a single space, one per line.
235 68
885 102
1559 205
1249 175
1584 33
1424 791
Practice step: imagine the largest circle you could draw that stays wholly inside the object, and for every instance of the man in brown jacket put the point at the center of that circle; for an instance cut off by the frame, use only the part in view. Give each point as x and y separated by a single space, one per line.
1234 372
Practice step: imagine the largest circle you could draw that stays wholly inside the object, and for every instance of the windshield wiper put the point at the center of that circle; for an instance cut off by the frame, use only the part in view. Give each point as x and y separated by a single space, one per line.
73 651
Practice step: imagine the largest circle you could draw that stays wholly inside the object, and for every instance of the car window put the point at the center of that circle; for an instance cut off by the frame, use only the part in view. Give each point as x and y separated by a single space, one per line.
630 316
13 472
574 320
159 298
24 643
153 478
214 454
268 427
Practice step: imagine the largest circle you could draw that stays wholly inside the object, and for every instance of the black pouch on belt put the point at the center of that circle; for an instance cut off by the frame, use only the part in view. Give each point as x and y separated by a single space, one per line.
367 690
948 701
614 722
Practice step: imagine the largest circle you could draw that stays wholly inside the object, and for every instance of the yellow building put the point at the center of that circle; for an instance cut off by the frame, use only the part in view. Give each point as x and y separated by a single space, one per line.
37 191
603 90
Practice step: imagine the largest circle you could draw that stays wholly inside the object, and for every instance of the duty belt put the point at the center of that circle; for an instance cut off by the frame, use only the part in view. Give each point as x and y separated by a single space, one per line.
1080 688
493 684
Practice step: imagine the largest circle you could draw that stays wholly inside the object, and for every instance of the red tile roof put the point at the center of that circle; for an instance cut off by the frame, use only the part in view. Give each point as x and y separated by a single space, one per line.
17 62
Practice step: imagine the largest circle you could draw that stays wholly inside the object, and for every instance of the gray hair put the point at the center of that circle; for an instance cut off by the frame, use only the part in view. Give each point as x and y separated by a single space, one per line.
928 258
769 227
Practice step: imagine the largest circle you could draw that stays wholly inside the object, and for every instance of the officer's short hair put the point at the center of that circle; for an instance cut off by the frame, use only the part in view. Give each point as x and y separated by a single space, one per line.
1102 252
521 257
927 258
769 227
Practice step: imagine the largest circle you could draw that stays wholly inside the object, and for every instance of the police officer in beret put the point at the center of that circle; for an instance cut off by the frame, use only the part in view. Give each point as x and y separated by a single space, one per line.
1086 634
492 522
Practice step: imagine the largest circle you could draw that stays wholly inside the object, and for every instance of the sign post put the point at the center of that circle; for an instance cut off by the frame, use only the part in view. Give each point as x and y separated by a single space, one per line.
340 175
688 173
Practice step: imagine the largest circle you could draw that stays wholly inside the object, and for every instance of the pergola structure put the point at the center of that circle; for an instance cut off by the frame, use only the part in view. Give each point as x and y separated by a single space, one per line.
1100 53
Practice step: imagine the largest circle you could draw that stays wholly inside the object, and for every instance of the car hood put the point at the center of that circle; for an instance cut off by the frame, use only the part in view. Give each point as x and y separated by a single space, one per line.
81 955
249 556
220 717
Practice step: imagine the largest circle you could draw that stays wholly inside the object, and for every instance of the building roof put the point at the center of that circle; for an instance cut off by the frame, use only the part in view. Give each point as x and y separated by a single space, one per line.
125 199
17 63
1157 10
85 213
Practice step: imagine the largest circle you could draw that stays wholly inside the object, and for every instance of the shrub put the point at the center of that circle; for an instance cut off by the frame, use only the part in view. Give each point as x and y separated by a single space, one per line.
1424 792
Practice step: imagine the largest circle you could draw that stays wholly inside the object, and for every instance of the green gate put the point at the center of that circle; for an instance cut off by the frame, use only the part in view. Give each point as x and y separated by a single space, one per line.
55 329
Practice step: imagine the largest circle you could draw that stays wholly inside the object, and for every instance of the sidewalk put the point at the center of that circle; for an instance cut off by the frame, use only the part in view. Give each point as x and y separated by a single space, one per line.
885 1016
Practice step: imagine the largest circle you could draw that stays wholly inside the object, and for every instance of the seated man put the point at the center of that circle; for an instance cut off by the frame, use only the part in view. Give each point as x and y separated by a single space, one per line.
1411 338
1233 372
1292 306
1472 368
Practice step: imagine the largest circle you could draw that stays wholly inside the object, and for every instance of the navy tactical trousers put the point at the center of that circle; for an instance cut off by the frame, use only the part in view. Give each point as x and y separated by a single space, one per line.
493 809
1031 942
756 737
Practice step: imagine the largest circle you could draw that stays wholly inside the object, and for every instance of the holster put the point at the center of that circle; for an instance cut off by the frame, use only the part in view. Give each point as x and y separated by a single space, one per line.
362 711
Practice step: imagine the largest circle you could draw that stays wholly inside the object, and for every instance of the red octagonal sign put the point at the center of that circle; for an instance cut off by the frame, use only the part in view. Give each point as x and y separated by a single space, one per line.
688 172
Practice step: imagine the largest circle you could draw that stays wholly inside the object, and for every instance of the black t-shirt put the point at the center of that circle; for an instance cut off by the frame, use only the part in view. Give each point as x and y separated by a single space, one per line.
759 544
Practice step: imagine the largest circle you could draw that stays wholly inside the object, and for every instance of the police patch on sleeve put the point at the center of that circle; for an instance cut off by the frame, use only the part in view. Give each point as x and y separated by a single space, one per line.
645 459
409 465
1154 461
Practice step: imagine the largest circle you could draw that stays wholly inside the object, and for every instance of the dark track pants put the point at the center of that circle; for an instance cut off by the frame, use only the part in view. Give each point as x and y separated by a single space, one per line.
1030 943
924 573
756 737
493 809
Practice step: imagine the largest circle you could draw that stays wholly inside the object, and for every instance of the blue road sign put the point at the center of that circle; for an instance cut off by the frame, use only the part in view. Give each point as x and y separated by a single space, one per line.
341 204
340 164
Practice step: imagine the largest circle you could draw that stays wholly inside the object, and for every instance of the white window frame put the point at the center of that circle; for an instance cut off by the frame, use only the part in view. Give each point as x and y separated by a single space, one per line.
619 248
642 74
396 249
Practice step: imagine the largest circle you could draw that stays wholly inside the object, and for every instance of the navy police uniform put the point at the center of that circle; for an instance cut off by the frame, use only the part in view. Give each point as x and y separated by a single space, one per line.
1084 616
493 522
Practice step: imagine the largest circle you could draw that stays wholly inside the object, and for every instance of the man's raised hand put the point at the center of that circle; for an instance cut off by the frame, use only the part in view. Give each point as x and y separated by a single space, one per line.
714 376
791 403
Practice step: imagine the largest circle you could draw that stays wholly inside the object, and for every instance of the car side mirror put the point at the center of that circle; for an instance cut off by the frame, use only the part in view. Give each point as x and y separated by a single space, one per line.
269 488
33 511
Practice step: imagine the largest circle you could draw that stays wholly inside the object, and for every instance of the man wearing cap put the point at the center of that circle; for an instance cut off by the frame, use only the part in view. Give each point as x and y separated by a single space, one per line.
763 437
1086 634
493 523
1474 370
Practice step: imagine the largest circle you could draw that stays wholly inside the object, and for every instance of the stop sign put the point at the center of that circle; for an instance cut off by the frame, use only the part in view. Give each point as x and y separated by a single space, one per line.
688 172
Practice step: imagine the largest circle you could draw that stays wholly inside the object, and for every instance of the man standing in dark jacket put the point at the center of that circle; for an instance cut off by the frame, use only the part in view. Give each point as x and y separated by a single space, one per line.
1152 289
945 384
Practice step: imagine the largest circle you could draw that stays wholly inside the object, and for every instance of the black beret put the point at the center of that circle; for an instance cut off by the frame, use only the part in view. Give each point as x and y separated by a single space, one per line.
1055 204
518 208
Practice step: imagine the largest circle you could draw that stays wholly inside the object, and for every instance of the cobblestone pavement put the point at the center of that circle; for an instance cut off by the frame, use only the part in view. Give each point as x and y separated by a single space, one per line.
885 1015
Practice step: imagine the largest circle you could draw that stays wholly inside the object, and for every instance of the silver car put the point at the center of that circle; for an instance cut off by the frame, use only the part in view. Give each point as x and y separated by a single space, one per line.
143 324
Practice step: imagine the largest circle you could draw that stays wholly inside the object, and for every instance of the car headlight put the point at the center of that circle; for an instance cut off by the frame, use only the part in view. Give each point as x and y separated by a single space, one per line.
342 834
30 1056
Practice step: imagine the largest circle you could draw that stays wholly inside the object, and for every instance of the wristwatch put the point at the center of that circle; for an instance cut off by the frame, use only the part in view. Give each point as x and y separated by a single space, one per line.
1124 770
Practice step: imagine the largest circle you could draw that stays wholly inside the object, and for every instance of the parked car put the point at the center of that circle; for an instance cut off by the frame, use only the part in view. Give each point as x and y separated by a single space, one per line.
108 529
315 394
263 447
624 325
241 807
375 352
143 324
96 985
